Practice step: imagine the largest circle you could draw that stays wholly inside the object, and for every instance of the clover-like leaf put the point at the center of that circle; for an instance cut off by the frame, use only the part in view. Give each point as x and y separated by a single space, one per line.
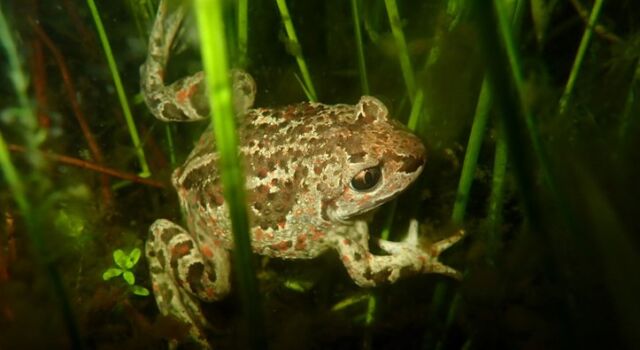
139 290
129 277
111 273
133 257
120 258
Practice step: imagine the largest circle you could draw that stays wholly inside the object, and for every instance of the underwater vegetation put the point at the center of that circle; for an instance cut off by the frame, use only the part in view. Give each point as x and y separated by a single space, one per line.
529 111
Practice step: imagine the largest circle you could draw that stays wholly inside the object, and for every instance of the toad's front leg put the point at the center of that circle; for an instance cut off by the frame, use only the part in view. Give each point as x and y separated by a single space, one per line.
182 271
405 258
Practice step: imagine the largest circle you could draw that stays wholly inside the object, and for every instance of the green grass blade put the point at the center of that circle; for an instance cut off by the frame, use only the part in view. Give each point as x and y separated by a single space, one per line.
454 309
417 111
371 309
171 148
481 116
403 51
357 30
122 97
304 88
582 50
12 179
473 150
214 58
291 34
496 199
16 75
506 75
243 31
417 100
514 111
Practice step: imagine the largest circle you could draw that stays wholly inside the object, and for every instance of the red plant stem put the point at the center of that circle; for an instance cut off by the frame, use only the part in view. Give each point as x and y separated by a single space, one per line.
7 255
93 166
75 106
40 84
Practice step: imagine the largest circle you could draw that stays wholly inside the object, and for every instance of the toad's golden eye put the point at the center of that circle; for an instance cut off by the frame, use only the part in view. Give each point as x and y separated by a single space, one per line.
366 179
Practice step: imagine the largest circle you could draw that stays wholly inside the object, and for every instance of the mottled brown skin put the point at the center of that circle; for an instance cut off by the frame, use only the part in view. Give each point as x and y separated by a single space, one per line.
299 161
312 173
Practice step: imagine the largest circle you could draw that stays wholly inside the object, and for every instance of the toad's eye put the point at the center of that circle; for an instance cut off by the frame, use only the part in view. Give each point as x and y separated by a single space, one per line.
366 179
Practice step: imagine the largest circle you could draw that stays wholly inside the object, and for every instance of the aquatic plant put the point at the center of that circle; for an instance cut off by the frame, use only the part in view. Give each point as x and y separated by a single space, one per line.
122 96
124 266
296 50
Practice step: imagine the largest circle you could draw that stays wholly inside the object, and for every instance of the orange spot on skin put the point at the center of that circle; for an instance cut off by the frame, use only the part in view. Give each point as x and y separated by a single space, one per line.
180 250
365 199
317 234
345 259
210 292
301 242
282 246
206 251
184 94
281 224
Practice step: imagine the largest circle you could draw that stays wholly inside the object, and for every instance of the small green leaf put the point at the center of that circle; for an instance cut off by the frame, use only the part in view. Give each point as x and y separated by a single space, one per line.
120 258
129 277
134 256
350 301
138 290
111 273
298 285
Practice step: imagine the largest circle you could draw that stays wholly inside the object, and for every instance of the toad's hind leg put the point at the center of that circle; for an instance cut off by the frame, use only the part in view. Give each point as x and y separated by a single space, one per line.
186 99
182 271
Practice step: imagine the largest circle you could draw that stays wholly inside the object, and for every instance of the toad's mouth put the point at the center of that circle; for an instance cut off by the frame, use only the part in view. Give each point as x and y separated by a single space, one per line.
363 213
371 207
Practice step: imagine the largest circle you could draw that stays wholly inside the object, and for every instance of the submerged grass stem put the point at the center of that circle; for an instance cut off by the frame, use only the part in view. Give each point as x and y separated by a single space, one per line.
476 137
243 31
122 96
357 31
496 199
297 51
582 50
401 43
214 57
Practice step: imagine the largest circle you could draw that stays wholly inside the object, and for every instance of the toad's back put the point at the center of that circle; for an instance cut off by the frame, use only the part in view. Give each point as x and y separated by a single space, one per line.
300 161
